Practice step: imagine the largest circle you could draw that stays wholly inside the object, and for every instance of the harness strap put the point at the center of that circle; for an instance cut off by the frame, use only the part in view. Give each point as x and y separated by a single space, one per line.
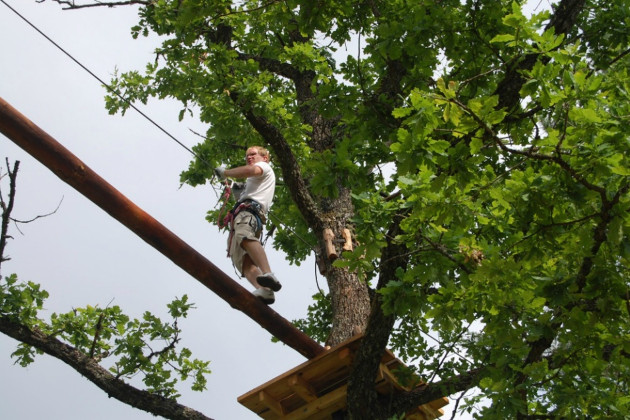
223 222
249 206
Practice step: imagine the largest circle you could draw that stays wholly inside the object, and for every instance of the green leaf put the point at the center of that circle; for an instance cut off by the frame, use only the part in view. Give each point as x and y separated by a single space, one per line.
585 115
475 145
502 38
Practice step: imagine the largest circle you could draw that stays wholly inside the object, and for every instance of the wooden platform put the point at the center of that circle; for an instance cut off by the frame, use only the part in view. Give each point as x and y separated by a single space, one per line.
317 388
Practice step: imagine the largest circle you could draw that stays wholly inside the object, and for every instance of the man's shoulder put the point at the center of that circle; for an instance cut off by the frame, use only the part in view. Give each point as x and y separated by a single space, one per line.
265 166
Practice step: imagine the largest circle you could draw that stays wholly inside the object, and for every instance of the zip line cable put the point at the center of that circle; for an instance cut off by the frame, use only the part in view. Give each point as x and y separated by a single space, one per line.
112 90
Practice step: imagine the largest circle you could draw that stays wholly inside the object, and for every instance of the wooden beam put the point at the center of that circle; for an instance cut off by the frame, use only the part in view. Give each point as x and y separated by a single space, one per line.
329 238
78 175
385 374
301 387
345 354
271 403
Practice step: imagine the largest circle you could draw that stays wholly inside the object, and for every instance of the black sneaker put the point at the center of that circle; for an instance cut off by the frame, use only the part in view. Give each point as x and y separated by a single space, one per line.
269 280
265 295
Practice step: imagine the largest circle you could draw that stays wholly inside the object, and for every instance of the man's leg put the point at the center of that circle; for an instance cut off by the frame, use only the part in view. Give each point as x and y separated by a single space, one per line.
251 271
257 254
259 258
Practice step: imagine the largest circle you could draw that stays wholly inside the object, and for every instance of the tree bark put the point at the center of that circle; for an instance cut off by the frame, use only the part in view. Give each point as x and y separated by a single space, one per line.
349 294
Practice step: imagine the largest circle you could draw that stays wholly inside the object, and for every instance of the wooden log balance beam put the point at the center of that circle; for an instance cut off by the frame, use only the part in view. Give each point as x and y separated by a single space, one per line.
78 175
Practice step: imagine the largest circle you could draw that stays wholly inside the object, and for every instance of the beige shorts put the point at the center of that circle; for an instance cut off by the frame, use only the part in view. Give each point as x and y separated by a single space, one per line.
245 225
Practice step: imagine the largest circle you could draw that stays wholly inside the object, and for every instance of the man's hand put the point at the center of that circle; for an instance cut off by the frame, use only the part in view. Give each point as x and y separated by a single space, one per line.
220 172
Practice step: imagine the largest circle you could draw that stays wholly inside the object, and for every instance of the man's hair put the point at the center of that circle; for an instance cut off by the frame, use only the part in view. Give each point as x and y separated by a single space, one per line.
261 151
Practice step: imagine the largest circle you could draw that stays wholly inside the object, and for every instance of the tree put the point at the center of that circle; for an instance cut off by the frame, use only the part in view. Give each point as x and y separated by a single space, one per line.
478 156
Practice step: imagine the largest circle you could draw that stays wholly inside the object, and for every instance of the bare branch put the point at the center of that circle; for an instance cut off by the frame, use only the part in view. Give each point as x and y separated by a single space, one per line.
457 402
7 208
72 5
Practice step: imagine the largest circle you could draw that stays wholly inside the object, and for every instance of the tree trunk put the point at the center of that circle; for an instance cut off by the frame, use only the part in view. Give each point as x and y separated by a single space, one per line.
350 305
348 293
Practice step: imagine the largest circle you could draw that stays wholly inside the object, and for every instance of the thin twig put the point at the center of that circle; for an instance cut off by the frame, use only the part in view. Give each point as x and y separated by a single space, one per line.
71 4
18 222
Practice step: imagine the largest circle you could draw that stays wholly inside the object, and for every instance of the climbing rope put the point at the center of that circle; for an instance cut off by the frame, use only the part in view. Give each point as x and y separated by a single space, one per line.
224 216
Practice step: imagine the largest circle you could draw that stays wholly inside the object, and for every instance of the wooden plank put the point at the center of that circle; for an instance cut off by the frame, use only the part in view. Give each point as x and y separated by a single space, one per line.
327 360
331 251
317 388
439 403
432 410
386 374
347 236
322 407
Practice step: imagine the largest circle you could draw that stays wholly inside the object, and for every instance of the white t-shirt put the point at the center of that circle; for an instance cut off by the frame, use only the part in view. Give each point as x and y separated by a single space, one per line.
261 188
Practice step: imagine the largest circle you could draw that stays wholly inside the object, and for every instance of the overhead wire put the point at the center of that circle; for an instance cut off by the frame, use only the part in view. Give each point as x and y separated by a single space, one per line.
110 88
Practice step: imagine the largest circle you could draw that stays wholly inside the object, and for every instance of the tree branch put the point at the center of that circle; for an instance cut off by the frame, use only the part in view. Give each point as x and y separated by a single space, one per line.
98 375
430 392
274 66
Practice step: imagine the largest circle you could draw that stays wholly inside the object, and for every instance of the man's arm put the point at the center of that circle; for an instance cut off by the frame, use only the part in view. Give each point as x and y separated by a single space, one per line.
244 171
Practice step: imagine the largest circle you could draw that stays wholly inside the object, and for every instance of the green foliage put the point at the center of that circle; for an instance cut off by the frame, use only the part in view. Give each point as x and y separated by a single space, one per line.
21 302
501 142
145 347
318 321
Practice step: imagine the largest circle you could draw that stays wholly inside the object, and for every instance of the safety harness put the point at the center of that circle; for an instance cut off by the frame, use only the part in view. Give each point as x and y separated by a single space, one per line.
248 205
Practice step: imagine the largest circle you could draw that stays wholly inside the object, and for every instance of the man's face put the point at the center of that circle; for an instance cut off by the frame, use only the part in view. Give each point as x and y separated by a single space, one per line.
252 156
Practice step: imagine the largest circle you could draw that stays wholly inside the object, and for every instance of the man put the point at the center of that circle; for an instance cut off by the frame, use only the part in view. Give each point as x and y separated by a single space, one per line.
253 204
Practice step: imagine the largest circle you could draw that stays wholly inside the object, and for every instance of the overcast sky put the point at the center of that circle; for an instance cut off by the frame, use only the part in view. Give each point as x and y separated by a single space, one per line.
82 256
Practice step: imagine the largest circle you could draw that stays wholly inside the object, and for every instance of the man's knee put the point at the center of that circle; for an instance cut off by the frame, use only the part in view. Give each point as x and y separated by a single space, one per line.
247 243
